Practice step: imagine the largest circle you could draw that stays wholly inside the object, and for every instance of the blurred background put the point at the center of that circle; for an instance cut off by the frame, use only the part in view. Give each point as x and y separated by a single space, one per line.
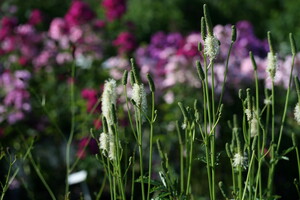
39 39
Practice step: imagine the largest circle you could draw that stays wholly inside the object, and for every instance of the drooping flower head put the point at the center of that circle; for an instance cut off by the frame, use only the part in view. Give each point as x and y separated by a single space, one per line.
109 97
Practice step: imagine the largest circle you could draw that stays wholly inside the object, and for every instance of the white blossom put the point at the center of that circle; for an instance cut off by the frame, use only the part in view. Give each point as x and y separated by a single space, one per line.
272 65
109 97
248 113
253 127
211 46
104 142
139 97
112 150
239 160
297 113
267 101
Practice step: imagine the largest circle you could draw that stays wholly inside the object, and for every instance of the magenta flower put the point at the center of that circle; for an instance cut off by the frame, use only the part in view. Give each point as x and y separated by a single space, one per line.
87 144
125 42
79 13
114 9
91 96
35 17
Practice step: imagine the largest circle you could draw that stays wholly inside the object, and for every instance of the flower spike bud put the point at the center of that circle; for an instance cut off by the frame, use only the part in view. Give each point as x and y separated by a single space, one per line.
294 140
151 83
183 110
135 71
233 33
221 186
229 154
253 61
125 77
207 20
199 47
203 28
293 44
132 79
200 70
241 94
270 42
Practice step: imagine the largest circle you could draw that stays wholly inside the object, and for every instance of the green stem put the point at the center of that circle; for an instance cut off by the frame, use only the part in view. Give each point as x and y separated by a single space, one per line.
181 159
191 140
72 103
150 144
38 172
225 76
286 104
272 168
140 144
101 188
248 174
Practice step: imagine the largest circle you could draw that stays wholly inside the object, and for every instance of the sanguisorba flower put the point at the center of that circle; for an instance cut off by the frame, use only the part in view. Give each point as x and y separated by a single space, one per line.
272 65
104 141
109 97
139 96
253 127
297 113
211 47
112 152
239 160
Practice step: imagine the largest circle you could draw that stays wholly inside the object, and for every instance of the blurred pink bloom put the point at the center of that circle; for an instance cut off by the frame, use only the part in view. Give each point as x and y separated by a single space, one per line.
114 9
99 24
35 17
58 29
79 13
125 42
85 144
91 96
63 58
97 124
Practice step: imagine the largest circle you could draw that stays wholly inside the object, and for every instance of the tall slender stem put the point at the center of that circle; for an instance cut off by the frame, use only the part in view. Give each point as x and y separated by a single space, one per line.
150 144
69 143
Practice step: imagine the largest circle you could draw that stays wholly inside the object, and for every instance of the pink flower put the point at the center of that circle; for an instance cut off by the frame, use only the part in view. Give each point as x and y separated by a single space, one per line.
79 13
125 42
58 29
7 26
35 17
91 96
114 9
97 124
87 144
